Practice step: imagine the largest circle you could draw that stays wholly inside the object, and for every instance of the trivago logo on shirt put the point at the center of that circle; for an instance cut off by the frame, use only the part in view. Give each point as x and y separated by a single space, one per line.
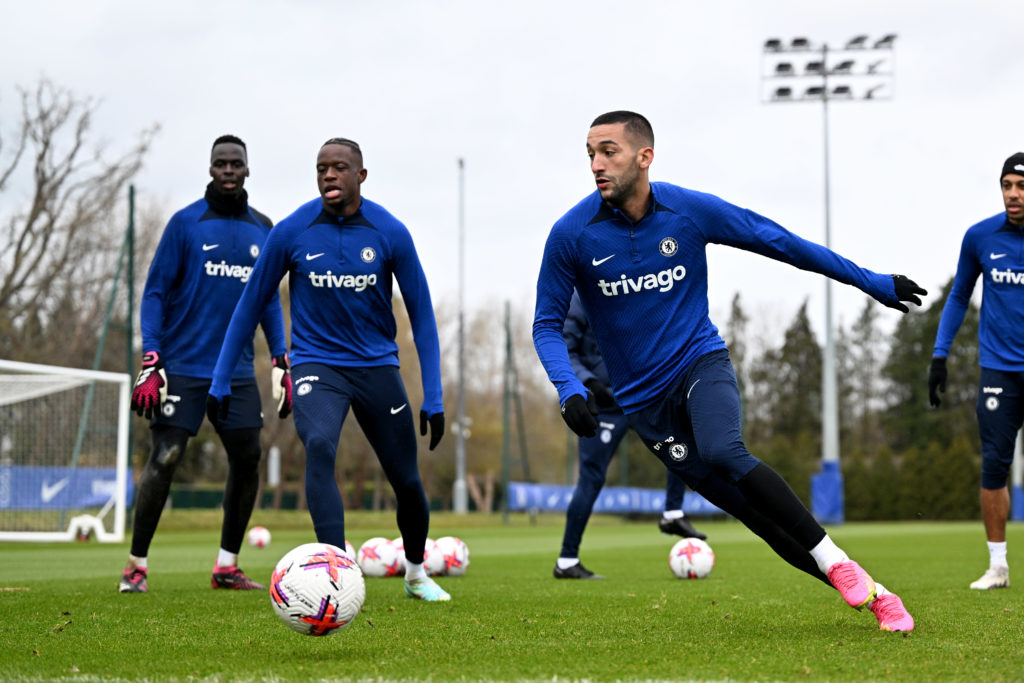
1007 275
661 281
225 269
356 282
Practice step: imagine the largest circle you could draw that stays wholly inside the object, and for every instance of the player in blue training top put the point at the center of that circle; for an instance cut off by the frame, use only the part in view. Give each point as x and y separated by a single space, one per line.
341 253
199 270
993 249
595 452
635 252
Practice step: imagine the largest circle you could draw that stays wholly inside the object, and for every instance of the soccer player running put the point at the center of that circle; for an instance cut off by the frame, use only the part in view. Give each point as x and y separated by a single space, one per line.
596 452
635 252
199 270
993 249
342 252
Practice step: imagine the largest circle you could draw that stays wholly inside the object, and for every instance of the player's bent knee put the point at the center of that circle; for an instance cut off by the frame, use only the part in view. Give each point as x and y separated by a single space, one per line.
243 447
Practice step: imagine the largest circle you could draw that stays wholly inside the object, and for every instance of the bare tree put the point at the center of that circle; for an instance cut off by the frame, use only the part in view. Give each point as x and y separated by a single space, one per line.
59 244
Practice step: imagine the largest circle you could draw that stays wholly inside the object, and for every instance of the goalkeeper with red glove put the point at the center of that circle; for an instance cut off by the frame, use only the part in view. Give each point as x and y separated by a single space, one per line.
200 267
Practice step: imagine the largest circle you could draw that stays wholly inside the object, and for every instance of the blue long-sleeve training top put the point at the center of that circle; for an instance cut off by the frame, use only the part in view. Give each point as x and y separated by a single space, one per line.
584 354
993 249
199 270
644 286
341 273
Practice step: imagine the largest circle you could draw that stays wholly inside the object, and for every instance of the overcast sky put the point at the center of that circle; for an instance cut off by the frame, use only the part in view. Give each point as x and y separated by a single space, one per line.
512 88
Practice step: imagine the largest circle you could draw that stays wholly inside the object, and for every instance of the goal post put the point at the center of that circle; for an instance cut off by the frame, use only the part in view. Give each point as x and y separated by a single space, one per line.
63 453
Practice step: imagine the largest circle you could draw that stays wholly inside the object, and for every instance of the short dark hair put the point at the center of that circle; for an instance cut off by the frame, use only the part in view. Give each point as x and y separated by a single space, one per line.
233 139
345 142
636 125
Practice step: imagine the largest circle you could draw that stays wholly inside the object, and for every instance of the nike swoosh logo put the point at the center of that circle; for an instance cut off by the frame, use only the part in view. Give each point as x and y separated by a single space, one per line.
597 263
208 247
995 256
396 411
49 492
310 257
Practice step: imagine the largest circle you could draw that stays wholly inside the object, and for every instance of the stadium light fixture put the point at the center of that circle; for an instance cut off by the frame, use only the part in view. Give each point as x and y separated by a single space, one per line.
857 71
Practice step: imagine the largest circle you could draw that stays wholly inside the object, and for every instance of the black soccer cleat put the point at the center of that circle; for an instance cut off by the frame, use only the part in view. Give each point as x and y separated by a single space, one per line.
234 578
577 571
680 526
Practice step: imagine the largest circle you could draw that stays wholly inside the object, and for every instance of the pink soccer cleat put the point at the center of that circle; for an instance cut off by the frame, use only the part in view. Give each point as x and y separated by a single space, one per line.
891 614
133 580
853 583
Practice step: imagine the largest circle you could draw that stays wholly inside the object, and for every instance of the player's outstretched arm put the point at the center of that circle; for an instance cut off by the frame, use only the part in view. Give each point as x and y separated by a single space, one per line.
906 290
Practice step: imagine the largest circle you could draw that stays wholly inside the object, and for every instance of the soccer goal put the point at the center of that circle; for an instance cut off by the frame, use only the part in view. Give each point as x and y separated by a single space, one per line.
63 453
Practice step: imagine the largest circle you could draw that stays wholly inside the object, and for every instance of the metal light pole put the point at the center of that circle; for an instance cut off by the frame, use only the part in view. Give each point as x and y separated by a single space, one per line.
460 504
803 72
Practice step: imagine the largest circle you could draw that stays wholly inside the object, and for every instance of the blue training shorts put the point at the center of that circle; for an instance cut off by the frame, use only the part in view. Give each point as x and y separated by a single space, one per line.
695 427
1000 415
185 406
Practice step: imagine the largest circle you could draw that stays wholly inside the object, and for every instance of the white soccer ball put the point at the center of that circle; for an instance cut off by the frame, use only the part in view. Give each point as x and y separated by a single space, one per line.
454 555
378 557
400 549
691 558
259 537
433 561
316 589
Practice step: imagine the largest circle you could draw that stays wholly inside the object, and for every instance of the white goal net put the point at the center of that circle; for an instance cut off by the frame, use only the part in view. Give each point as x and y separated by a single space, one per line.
63 453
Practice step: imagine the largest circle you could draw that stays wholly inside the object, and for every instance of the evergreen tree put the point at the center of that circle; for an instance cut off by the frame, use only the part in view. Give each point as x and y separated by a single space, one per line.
860 391
797 405
736 339
784 427
909 421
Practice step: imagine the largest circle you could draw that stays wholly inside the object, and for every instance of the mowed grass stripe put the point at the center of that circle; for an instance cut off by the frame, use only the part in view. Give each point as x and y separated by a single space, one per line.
754 619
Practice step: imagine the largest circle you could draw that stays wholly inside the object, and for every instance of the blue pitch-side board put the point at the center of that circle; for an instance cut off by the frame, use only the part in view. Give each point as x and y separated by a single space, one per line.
613 499
57 488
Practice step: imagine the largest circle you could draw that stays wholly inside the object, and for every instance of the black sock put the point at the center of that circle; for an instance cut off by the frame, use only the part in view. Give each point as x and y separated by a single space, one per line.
243 447
769 494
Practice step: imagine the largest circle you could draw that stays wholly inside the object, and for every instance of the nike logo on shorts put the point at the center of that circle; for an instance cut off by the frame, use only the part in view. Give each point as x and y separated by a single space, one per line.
396 411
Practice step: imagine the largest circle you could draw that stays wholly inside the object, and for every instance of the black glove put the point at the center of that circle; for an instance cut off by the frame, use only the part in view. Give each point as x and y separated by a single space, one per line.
906 290
581 414
436 422
217 410
602 394
936 380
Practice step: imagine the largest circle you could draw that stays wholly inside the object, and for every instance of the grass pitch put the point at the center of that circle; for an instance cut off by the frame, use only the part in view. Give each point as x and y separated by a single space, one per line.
754 619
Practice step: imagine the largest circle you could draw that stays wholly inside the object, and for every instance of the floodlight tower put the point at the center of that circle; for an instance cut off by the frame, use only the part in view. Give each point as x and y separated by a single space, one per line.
802 71
460 500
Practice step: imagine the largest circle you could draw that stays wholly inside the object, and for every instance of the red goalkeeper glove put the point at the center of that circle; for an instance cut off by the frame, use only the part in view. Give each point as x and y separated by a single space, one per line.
281 384
150 387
